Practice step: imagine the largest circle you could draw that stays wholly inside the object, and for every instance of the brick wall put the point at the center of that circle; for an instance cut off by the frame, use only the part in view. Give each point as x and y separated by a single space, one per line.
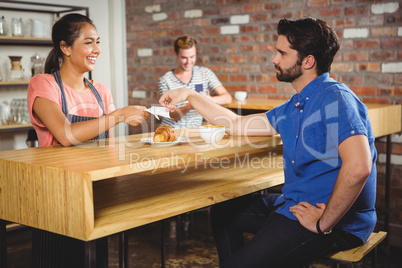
237 41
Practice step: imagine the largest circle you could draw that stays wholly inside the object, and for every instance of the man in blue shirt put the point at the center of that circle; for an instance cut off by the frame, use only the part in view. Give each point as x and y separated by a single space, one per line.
329 157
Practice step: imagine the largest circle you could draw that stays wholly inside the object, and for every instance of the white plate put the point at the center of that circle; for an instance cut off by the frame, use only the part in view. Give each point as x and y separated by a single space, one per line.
153 143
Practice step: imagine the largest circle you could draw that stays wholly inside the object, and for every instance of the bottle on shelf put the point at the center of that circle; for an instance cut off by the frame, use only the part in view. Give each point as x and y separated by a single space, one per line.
1 75
4 113
37 64
3 26
17 27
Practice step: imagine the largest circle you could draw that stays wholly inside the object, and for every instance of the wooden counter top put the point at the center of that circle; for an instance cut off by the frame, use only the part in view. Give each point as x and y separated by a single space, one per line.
101 188
385 119
255 104
127 155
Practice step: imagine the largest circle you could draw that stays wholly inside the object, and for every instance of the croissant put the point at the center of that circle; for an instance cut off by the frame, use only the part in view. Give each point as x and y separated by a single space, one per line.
164 134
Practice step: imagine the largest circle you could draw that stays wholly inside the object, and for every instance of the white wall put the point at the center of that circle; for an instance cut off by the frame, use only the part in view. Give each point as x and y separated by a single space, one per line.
109 19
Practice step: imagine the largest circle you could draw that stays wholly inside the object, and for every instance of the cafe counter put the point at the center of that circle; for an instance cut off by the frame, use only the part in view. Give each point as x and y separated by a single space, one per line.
101 188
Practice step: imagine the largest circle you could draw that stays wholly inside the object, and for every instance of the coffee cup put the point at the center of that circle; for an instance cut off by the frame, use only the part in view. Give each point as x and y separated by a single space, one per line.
241 95
212 134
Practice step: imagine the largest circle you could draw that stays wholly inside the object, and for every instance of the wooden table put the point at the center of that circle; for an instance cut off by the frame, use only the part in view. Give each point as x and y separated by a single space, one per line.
101 188
385 119
255 104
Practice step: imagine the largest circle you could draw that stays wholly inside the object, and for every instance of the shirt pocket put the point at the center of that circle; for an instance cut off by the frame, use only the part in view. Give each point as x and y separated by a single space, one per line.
316 143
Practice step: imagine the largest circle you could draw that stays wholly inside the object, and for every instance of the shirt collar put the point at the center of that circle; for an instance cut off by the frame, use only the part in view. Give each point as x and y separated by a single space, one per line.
308 91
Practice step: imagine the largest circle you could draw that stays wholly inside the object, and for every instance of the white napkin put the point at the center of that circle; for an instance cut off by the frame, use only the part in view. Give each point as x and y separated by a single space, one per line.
158 111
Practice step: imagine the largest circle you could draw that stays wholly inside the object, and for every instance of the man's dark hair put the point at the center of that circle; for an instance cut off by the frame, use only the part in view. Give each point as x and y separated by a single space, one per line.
311 36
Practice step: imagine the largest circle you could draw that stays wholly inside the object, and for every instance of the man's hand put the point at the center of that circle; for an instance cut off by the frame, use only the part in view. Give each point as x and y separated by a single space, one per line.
171 98
308 214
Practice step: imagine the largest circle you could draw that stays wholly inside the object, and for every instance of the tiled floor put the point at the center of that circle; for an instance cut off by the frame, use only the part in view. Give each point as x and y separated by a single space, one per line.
195 247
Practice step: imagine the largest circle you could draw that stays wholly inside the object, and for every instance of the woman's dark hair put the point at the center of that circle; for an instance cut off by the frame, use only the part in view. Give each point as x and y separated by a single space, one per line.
66 29
311 36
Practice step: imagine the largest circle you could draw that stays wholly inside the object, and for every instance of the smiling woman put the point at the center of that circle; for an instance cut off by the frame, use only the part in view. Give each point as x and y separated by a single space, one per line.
66 108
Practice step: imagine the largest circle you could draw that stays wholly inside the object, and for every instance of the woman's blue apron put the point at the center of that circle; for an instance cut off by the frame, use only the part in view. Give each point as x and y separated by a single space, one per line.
76 118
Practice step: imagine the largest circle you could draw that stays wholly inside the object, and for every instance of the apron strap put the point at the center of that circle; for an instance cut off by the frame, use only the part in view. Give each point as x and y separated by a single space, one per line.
57 77
98 97
76 118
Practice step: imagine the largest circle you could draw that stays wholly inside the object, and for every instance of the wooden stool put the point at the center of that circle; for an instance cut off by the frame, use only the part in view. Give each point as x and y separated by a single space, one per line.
354 255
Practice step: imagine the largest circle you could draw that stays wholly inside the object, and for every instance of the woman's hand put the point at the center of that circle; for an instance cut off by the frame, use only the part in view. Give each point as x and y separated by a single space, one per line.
133 114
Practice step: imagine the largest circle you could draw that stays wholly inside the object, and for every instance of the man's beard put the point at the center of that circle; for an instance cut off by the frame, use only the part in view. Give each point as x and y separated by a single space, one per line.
290 74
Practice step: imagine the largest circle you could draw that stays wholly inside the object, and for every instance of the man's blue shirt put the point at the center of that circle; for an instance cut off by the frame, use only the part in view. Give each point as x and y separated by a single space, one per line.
312 124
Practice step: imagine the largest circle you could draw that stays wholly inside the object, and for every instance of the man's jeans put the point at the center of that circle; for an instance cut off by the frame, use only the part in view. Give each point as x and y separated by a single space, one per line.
278 241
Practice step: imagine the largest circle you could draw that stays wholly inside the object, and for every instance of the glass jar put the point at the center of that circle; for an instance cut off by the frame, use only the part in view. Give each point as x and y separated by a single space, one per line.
37 65
3 26
17 74
4 113
17 27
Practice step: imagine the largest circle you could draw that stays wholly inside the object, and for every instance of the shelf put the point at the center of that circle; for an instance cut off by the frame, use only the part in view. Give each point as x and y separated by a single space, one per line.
14 127
139 200
25 41
24 6
55 10
13 83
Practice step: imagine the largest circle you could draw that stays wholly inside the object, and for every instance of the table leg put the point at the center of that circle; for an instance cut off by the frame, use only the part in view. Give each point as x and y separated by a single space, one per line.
126 260
102 258
3 243
387 184
90 254
123 250
163 241
178 231
96 253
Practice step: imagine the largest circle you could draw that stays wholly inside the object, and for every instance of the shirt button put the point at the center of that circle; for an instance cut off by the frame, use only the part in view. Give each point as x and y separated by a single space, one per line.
301 111
352 132
293 161
297 136
306 98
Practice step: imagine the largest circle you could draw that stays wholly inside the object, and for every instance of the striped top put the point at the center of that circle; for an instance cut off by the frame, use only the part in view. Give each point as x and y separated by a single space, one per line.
203 79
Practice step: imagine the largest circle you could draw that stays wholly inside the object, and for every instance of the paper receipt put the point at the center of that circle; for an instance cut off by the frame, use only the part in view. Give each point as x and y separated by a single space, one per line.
158 111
